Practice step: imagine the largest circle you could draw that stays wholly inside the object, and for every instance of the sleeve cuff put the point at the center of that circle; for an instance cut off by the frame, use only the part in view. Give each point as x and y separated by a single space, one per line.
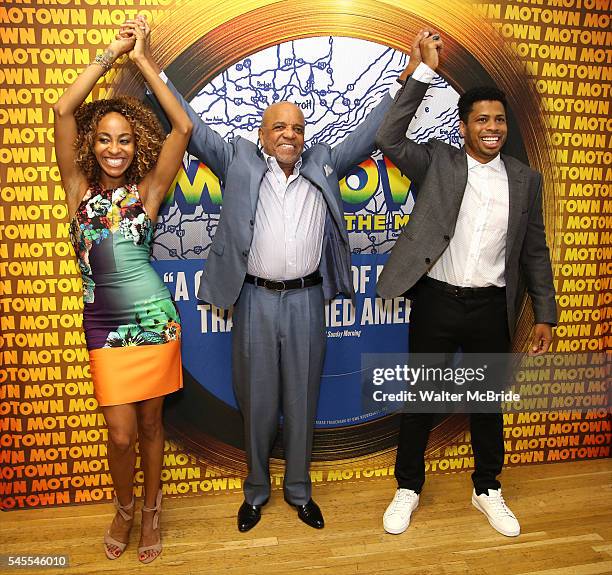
423 73
164 79
394 89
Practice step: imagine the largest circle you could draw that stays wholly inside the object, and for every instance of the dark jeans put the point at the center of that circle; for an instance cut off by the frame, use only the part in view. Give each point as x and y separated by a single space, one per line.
442 322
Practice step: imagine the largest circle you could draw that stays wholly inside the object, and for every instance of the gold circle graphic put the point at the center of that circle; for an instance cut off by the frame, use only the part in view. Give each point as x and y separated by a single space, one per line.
197 43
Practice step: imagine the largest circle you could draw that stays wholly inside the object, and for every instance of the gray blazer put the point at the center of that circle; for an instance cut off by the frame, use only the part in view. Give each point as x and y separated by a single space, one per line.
240 166
440 173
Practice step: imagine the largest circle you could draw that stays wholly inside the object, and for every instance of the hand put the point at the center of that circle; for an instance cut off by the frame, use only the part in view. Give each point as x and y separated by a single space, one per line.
542 338
415 55
122 44
142 48
430 47
140 31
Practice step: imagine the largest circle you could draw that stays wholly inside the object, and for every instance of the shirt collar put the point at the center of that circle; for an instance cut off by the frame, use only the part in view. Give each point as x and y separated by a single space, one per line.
272 164
495 164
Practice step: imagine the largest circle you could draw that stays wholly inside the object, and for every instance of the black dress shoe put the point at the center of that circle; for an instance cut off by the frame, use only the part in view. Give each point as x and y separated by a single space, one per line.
311 515
248 516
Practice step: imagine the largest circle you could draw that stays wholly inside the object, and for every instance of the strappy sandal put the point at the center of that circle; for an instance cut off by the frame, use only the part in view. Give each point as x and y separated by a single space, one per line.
151 552
111 541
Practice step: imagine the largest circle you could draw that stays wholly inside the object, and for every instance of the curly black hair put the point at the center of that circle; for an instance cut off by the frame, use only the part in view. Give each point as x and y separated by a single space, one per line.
478 94
148 134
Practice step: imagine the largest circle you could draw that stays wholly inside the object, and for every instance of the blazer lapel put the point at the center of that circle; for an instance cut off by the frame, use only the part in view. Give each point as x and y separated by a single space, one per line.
517 196
257 173
315 174
459 174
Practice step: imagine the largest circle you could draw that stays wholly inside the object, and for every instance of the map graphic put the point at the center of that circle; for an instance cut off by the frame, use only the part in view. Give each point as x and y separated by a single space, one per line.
336 81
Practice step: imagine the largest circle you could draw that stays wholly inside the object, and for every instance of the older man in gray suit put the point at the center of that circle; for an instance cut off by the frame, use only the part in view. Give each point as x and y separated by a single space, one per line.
475 233
280 250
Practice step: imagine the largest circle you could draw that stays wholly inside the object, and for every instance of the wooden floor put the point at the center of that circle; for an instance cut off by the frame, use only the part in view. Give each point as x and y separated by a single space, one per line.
565 512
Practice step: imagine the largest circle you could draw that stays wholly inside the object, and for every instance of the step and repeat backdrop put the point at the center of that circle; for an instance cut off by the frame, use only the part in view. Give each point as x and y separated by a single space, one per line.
335 60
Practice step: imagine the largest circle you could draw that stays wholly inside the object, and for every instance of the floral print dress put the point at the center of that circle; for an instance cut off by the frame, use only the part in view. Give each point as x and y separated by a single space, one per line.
129 317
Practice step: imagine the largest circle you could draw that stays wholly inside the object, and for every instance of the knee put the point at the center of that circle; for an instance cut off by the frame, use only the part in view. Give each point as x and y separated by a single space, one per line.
150 427
121 439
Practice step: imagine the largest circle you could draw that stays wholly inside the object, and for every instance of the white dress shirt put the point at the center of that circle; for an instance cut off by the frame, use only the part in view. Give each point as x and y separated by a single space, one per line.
289 225
476 254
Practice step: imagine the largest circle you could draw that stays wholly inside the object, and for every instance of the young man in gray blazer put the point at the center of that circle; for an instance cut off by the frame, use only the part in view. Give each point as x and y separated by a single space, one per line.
476 231
280 250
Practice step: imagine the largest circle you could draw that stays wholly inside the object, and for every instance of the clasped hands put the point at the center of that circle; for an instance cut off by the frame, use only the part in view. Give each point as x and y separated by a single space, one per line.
134 39
426 48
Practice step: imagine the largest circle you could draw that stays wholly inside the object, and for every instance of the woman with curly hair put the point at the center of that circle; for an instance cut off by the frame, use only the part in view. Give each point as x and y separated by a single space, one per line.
116 165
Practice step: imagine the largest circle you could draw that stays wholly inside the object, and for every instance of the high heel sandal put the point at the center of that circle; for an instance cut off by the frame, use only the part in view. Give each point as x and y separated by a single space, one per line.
111 541
143 552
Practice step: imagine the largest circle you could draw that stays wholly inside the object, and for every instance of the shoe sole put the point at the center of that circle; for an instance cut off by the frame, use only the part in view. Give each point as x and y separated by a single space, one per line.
499 530
399 531
395 531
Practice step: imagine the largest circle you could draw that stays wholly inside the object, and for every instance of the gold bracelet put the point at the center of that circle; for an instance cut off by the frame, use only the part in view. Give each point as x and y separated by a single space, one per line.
105 60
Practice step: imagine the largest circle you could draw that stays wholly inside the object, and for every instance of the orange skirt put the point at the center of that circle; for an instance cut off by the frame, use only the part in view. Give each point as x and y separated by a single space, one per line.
134 373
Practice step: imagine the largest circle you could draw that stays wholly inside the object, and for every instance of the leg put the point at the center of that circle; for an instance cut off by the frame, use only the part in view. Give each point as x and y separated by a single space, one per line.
151 442
121 422
434 317
433 321
487 431
303 341
487 333
255 373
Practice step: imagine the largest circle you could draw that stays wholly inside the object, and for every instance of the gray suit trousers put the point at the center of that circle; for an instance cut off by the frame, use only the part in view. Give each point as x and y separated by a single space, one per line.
278 347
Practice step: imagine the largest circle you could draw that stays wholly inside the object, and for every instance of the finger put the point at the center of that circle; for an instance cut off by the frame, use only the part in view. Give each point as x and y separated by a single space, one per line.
420 35
538 344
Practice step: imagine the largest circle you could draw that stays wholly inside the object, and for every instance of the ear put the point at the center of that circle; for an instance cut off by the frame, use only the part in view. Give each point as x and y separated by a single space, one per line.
462 128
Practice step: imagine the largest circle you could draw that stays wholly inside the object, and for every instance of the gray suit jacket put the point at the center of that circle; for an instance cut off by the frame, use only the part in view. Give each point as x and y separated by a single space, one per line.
440 173
241 167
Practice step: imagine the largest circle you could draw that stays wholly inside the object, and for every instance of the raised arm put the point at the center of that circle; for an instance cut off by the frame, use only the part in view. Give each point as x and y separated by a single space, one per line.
359 145
74 181
155 184
205 144
411 158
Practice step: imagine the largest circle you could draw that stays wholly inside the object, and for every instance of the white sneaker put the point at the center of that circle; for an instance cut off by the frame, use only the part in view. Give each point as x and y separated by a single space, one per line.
397 516
497 512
